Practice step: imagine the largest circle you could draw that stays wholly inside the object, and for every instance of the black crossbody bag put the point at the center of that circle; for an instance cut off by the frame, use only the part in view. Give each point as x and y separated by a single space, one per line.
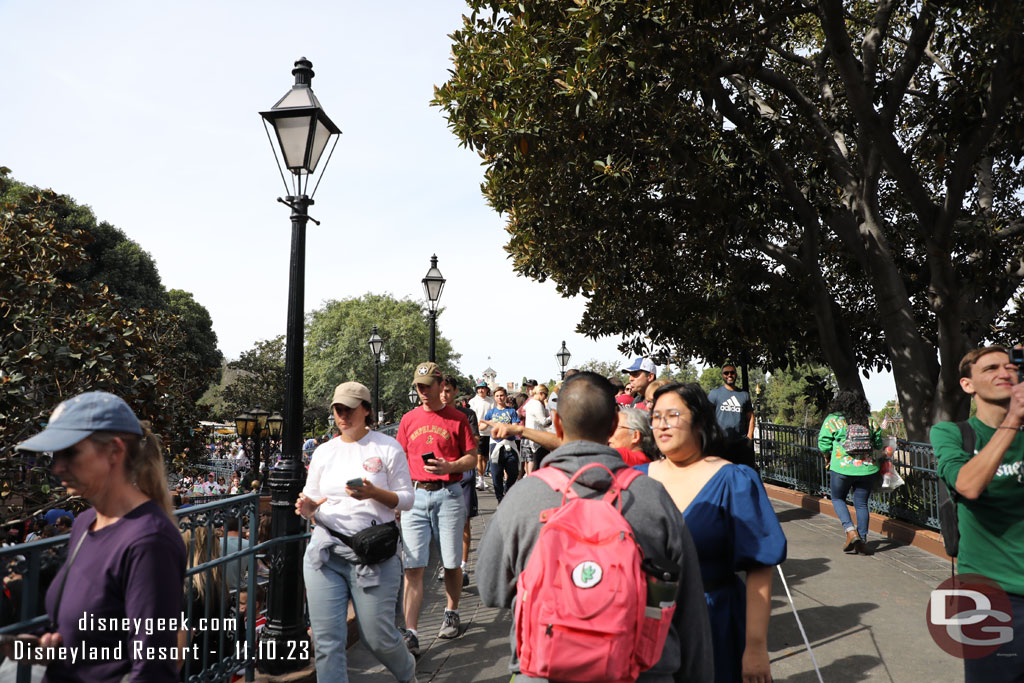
372 545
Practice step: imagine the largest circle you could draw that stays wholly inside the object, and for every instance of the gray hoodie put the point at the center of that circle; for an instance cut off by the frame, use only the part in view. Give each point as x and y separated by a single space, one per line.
659 529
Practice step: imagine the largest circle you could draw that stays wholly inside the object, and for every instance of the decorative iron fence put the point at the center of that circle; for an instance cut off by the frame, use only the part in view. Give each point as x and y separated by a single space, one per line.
223 598
790 456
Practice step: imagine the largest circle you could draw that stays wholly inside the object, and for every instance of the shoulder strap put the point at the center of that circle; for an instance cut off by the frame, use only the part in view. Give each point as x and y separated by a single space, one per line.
64 579
553 477
623 478
967 436
560 481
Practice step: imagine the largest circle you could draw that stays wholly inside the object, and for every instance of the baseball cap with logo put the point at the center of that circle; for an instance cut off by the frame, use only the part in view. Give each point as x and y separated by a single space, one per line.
78 417
481 384
645 364
350 394
427 373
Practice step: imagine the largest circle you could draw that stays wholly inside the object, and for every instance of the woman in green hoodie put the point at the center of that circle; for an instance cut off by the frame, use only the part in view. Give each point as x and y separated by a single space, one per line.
852 462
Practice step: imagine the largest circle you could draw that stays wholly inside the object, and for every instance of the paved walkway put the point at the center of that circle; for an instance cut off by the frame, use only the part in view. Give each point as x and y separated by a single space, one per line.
864 615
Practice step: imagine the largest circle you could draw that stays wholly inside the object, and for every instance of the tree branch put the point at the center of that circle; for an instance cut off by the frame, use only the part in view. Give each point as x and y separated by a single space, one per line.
894 158
873 38
961 175
791 56
912 56
841 168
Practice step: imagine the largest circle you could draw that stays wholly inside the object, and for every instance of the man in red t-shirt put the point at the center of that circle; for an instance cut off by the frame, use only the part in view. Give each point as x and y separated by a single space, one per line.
440 447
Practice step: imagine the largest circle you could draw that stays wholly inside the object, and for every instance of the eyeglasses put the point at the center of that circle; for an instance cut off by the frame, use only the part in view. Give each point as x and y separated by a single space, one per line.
729 372
672 418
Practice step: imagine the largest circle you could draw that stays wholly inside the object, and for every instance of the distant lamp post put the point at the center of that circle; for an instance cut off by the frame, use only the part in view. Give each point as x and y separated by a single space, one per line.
376 346
413 396
303 130
275 424
259 426
563 357
757 401
433 284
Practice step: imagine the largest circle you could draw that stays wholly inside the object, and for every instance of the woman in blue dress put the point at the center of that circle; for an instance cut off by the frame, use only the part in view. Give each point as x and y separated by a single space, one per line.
733 526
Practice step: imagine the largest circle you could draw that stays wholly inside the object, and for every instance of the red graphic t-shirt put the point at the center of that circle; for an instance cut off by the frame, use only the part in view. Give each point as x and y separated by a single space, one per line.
444 433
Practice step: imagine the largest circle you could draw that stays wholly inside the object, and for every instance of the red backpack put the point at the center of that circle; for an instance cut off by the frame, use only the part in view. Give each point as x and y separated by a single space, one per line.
581 602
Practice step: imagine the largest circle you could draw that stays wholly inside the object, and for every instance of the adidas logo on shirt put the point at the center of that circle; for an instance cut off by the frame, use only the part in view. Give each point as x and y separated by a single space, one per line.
731 405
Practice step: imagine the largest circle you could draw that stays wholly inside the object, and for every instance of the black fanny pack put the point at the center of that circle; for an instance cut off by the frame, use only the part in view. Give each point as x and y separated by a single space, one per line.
372 545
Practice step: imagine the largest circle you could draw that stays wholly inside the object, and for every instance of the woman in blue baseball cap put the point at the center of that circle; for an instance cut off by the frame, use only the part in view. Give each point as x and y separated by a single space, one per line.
126 559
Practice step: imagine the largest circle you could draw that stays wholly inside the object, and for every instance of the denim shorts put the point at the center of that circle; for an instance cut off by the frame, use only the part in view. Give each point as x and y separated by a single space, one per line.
439 515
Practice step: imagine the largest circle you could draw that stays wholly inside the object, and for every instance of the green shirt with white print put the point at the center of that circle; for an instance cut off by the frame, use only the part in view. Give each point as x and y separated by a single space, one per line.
992 526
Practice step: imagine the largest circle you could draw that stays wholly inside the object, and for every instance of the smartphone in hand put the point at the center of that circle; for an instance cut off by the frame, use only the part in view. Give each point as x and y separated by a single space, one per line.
427 457
1017 358
354 483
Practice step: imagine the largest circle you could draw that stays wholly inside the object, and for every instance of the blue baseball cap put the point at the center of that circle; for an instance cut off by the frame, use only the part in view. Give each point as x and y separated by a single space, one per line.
645 364
78 417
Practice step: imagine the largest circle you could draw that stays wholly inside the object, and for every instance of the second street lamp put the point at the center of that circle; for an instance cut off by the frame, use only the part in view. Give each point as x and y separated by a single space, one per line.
376 346
563 356
303 130
433 283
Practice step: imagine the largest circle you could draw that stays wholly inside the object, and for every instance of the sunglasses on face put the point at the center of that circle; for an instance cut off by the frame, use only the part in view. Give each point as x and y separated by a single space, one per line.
732 372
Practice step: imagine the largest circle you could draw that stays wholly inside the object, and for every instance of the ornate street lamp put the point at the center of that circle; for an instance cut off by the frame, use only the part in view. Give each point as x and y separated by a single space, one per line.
376 346
302 130
413 396
275 423
258 425
563 356
433 284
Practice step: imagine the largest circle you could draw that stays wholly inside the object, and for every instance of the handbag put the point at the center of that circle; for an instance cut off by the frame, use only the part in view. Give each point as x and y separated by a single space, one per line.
372 545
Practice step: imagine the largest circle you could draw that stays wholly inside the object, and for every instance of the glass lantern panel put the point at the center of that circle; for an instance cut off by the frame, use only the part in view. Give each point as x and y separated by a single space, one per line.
292 133
320 138
432 289
297 97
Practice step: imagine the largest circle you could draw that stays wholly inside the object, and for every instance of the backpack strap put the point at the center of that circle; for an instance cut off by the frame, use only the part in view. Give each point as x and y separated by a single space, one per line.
562 483
623 477
967 436
555 478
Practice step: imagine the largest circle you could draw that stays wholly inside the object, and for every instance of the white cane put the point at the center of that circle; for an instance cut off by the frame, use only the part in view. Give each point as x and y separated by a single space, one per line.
799 624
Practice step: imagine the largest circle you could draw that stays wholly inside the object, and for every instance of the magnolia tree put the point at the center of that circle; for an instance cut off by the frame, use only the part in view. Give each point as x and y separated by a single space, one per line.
823 182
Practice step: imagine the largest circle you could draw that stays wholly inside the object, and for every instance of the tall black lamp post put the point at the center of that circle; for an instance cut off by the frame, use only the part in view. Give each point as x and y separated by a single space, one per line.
563 356
376 346
414 398
302 130
433 283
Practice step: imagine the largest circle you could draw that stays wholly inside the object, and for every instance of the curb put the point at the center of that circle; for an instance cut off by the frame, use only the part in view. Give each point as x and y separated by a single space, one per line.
892 529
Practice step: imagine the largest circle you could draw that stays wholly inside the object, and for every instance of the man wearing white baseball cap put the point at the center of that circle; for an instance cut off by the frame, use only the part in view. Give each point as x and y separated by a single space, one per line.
642 372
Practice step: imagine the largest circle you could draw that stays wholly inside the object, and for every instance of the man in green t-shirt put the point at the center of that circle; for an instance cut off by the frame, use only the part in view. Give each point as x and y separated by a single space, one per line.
991 493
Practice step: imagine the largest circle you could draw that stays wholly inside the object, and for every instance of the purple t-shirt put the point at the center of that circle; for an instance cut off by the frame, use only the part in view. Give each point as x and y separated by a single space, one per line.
134 568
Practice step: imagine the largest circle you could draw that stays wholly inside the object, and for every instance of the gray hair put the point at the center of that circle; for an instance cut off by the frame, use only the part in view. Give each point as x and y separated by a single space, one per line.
636 420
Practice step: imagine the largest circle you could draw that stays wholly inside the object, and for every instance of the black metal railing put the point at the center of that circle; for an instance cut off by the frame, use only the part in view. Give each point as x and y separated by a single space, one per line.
223 595
789 456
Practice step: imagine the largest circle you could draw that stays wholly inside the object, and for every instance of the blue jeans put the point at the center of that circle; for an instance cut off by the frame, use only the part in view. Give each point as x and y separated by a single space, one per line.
1007 663
328 590
841 484
503 472
437 514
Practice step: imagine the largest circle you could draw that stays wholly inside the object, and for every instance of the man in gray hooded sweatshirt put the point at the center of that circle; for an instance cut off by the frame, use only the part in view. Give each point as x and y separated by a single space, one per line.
585 419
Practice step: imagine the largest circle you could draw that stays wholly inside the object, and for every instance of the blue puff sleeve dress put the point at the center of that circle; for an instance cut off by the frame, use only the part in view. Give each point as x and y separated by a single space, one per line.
734 529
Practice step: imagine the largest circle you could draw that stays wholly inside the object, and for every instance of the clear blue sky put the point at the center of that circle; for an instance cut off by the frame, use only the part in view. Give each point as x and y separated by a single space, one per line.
147 112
